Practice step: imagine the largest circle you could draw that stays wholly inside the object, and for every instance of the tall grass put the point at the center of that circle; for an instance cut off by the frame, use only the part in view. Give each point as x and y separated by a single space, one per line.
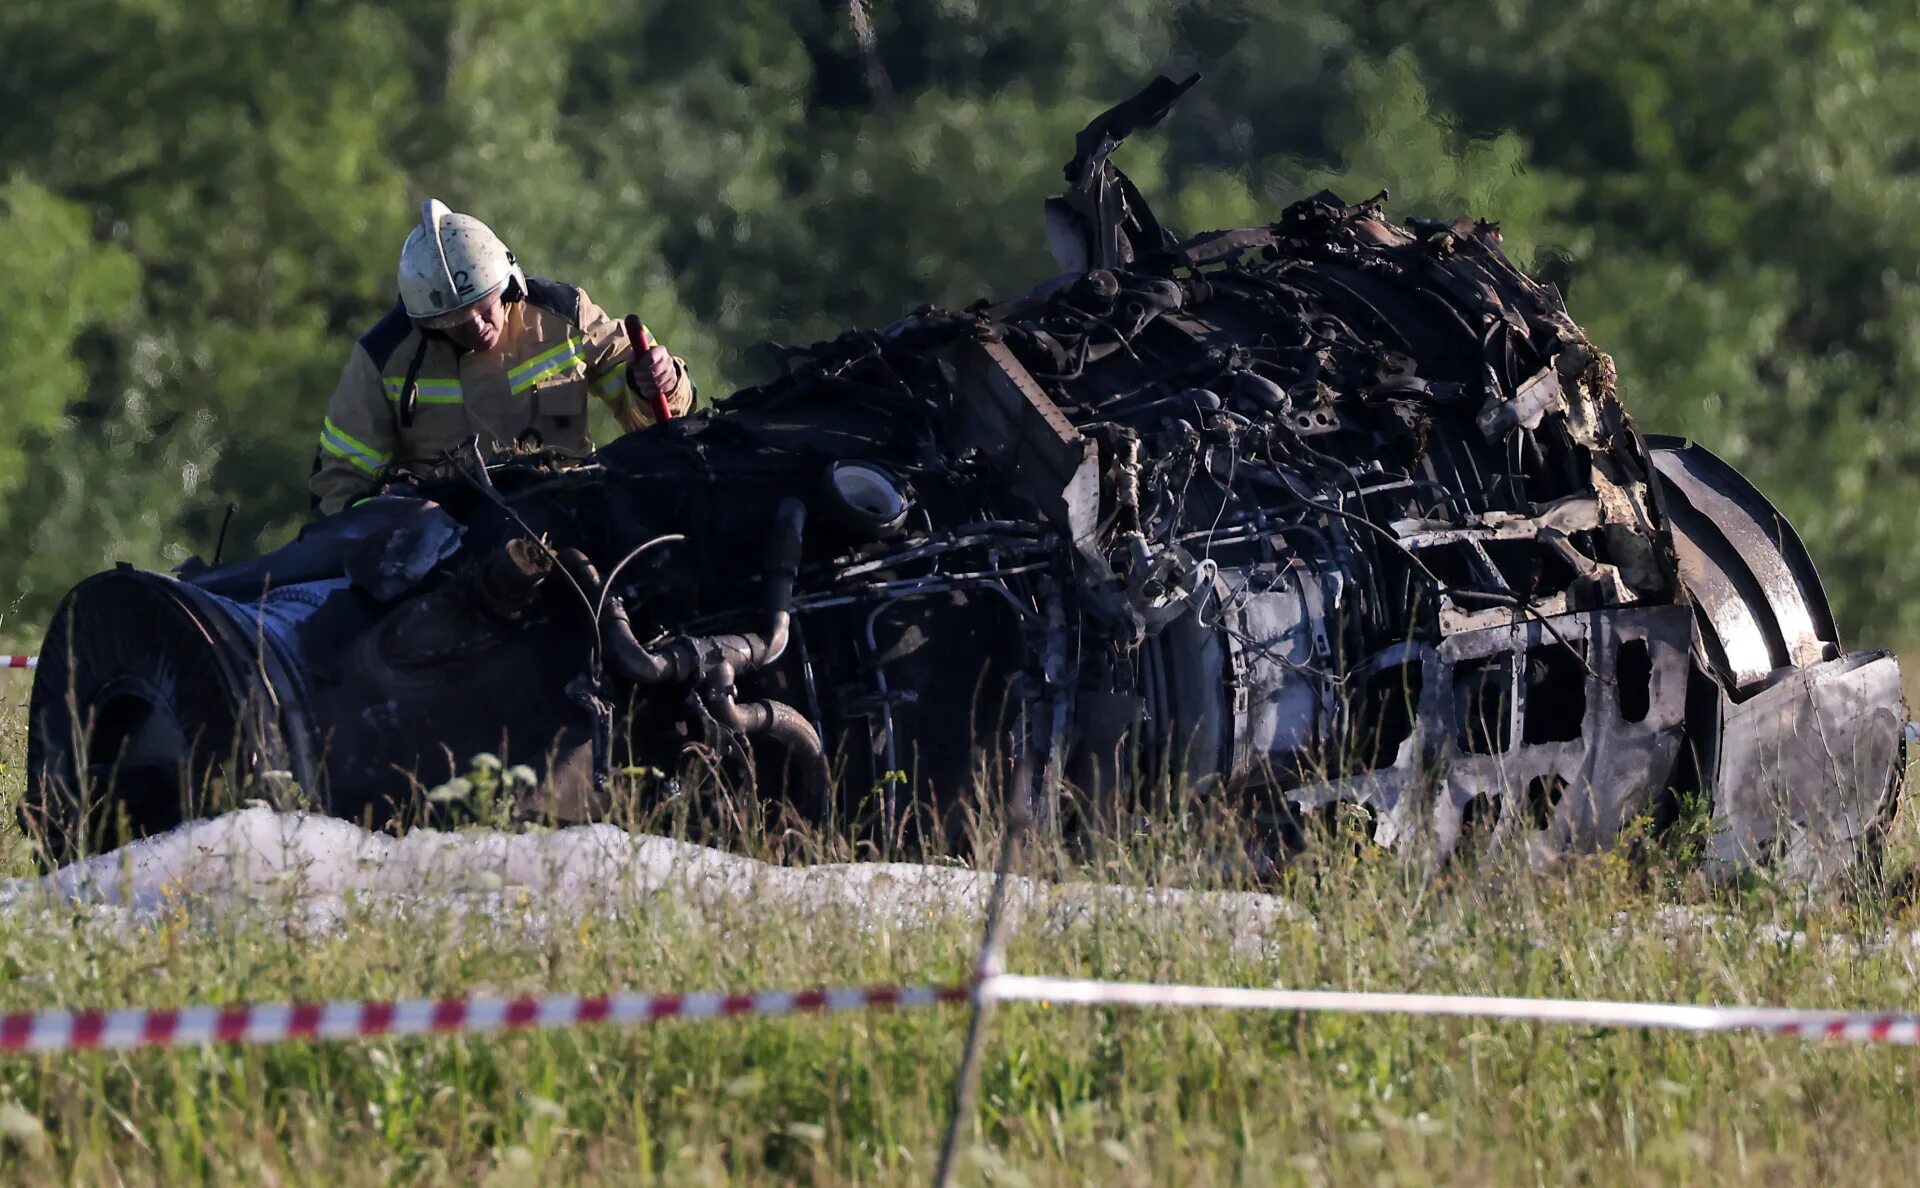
1069 1096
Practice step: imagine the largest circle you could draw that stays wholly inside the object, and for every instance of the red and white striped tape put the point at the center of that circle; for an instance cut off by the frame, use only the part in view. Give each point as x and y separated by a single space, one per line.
1858 1026
19 661
262 1023
265 1023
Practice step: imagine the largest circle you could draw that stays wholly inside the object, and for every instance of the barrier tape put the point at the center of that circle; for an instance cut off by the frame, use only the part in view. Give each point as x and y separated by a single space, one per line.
1857 1026
19 661
266 1023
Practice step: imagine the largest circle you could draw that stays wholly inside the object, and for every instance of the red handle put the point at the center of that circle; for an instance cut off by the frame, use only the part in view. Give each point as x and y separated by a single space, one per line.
642 340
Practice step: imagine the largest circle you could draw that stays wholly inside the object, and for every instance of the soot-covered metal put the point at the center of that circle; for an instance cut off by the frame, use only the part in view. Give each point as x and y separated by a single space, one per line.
1325 512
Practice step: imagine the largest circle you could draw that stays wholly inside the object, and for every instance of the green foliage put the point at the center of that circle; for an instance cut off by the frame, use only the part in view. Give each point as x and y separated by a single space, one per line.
53 251
206 199
1390 138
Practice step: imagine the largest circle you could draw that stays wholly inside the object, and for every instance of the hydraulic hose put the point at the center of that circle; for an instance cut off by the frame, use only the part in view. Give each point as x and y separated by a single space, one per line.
677 661
776 720
683 658
783 567
721 657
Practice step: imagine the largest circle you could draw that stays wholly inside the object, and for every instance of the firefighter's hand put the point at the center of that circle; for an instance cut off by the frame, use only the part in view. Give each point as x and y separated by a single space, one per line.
653 372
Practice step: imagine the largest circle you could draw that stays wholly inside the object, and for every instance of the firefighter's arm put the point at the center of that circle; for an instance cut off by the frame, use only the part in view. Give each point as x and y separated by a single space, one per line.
610 358
356 438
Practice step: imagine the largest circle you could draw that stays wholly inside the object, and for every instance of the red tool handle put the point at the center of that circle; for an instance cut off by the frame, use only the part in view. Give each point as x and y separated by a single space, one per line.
642 340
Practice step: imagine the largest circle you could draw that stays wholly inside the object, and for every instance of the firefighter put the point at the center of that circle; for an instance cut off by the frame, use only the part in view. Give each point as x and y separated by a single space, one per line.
476 348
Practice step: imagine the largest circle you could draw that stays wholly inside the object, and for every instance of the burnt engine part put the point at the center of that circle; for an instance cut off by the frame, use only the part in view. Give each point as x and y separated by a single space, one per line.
1325 512
868 500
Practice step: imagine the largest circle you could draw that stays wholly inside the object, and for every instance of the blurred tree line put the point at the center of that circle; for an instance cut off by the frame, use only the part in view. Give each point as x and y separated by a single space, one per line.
201 202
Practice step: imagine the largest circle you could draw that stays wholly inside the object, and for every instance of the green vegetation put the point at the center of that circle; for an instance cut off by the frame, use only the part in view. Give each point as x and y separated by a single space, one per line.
1069 1095
204 200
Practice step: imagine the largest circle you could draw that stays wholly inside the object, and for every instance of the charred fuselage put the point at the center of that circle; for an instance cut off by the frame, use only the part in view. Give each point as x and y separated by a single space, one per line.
1324 512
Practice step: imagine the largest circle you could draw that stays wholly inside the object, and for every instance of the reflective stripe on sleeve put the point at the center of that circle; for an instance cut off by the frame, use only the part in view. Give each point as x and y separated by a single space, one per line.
341 444
612 386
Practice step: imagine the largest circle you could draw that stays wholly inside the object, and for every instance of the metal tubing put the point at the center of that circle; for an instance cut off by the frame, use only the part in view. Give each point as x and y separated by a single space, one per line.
777 720
684 658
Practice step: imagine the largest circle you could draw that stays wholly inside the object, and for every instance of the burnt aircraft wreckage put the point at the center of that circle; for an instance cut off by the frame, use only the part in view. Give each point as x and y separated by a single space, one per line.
1326 512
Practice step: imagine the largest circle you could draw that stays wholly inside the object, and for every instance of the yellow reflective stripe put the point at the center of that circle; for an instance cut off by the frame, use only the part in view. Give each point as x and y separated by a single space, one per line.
360 464
351 441
426 391
531 378
449 387
520 378
342 444
571 344
612 384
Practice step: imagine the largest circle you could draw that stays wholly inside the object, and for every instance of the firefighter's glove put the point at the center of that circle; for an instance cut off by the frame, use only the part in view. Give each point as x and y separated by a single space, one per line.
653 373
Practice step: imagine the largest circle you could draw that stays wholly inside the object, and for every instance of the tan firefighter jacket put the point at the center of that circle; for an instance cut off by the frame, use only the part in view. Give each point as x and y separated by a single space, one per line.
407 397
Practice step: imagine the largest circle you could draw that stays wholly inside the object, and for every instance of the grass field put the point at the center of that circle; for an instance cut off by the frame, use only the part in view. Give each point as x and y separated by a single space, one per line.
1069 1096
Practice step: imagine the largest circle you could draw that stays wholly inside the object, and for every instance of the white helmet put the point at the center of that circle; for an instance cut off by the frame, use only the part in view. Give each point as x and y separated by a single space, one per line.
449 262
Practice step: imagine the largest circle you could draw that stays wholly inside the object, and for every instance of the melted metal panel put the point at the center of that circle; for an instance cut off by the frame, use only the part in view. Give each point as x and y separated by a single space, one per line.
1805 766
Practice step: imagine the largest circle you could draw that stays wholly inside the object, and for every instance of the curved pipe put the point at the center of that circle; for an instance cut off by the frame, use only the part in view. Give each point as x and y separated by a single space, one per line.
633 659
783 567
683 658
677 660
776 720
1262 391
